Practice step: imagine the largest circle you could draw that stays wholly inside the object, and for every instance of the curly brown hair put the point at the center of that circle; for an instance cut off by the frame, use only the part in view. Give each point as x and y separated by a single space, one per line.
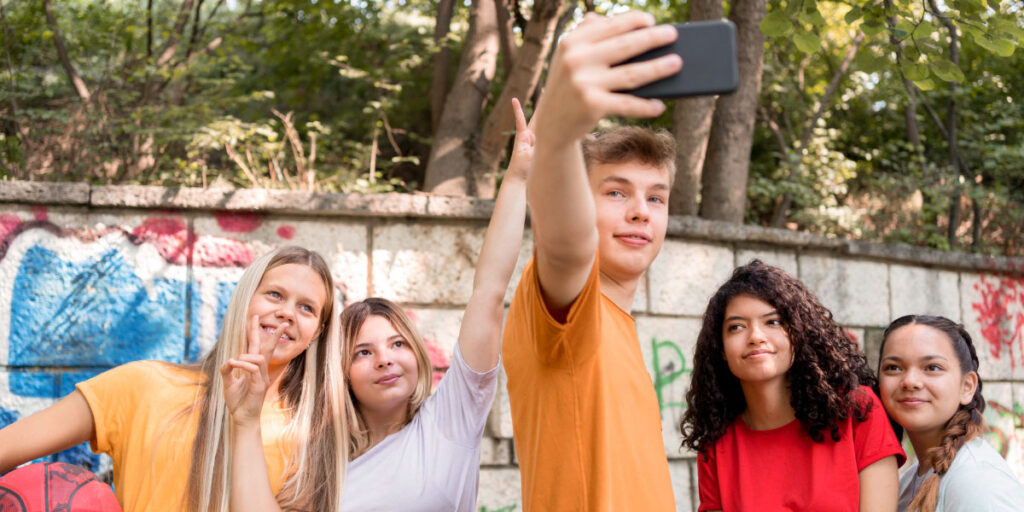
827 369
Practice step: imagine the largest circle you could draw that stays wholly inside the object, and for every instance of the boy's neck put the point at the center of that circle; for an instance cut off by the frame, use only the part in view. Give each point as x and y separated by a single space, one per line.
620 291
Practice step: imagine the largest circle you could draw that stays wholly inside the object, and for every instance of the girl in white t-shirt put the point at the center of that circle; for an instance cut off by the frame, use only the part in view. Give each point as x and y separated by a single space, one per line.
412 450
928 381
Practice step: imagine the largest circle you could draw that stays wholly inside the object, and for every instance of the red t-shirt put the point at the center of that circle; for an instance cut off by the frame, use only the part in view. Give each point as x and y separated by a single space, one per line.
784 469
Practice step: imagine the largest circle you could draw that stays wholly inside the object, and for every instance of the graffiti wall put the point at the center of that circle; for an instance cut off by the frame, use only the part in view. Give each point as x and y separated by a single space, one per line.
87 286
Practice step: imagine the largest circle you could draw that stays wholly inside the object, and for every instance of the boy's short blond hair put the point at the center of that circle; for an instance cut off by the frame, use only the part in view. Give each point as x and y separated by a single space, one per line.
656 148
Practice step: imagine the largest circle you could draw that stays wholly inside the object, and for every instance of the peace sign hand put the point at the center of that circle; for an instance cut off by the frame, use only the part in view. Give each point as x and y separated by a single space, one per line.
522 151
246 379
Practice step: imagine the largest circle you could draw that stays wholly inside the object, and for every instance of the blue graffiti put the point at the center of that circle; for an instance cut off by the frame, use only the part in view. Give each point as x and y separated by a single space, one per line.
85 317
72 320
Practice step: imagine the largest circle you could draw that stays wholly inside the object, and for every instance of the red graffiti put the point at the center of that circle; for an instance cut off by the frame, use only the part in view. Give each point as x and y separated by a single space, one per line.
178 244
170 235
1000 325
238 222
286 232
39 213
8 223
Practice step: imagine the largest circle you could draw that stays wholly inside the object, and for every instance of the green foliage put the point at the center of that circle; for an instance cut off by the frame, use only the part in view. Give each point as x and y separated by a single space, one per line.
859 176
345 67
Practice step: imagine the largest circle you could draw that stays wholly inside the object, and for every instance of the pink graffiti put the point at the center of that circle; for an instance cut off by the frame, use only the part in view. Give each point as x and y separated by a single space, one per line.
999 326
8 223
286 232
438 359
39 213
179 245
238 222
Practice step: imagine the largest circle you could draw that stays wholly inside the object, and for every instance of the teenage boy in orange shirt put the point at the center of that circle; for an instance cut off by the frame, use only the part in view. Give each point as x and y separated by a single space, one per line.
585 415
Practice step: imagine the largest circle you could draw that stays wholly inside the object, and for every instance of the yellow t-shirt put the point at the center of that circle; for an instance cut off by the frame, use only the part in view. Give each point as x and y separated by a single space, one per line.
135 411
584 412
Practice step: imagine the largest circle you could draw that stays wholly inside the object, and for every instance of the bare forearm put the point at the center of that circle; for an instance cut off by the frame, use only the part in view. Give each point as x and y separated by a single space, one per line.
479 336
561 204
250 482
64 424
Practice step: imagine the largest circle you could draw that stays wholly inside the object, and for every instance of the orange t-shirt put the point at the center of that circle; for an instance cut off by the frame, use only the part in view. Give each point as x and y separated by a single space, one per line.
584 412
134 409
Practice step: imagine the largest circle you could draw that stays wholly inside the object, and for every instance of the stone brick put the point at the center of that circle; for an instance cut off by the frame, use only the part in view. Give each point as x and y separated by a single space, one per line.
667 345
495 452
783 259
1003 418
856 291
35 192
525 253
681 484
438 327
15 406
917 290
343 244
500 490
425 264
97 298
996 323
872 343
499 423
685 275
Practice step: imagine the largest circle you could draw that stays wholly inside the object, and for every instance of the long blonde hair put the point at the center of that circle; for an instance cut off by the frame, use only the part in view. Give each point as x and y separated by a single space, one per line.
316 400
352 319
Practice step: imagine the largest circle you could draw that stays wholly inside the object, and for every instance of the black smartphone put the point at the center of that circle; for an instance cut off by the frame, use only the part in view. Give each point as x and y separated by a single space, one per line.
708 49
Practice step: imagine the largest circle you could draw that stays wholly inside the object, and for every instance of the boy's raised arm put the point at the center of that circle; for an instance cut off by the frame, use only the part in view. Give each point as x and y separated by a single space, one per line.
579 92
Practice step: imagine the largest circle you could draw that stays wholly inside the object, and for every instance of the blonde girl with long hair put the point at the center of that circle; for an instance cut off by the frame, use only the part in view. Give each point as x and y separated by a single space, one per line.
167 426
412 450
929 383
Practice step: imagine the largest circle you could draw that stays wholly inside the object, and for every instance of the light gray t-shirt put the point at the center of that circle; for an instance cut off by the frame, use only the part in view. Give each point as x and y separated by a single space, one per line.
979 480
433 464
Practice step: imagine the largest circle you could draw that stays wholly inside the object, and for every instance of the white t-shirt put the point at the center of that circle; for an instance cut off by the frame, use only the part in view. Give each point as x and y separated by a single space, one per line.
979 480
433 464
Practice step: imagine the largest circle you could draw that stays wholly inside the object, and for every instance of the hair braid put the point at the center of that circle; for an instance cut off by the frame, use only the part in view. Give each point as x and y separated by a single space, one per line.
960 429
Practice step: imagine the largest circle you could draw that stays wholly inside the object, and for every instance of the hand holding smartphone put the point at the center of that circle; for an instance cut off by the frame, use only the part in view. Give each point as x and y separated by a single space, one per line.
708 50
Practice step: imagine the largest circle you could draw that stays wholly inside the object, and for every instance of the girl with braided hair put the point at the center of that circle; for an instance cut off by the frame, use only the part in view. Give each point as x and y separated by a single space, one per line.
779 407
929 383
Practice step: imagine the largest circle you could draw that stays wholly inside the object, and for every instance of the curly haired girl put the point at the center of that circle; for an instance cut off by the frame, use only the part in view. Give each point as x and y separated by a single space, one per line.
779 406
929 383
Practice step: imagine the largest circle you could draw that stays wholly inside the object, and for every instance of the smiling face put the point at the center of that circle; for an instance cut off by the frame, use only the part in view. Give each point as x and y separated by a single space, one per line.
631 199
755 343
383 373
292 293
920 379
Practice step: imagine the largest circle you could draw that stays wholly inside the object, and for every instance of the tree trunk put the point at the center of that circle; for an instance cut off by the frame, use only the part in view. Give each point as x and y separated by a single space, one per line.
691 124
449 163
951 135
439 82
507 36
498 128
76 81
732 130
782 207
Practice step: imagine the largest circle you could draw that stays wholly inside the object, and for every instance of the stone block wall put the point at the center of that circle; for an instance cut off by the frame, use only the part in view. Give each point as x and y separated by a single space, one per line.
93 277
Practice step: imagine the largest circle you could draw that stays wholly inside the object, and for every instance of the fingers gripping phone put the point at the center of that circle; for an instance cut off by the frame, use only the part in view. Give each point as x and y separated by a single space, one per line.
708 50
